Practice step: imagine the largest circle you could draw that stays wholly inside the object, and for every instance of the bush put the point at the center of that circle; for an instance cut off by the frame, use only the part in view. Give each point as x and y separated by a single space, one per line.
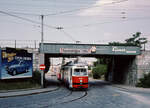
36 77
145 81
99 70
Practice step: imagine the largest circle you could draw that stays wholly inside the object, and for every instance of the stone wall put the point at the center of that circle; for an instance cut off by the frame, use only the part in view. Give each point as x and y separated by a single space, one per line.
143 64
137 68
131 73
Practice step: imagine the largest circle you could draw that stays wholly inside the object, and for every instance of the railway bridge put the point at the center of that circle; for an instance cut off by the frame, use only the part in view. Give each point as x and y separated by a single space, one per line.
121 69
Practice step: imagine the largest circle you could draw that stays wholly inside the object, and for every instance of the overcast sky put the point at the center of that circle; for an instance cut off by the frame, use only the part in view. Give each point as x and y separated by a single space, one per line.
88 21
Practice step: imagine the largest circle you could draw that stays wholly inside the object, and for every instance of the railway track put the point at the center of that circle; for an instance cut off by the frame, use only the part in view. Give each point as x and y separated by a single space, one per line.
84 95
68 98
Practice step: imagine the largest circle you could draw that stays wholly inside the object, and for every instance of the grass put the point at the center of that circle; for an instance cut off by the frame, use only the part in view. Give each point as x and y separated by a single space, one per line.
18 85
13 84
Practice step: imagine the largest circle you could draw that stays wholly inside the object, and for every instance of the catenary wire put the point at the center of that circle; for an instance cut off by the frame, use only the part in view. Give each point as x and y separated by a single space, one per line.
108 22
25 19
29 20
69 11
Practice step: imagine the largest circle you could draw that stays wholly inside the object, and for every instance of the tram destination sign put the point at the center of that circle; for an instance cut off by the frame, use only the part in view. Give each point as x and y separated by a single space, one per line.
98 49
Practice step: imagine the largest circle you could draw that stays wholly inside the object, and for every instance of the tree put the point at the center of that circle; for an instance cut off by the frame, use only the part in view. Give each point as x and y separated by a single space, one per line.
145 81
99 71
136 40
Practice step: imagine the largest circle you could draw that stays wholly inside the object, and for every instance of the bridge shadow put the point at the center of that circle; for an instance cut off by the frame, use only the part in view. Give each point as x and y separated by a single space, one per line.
98 83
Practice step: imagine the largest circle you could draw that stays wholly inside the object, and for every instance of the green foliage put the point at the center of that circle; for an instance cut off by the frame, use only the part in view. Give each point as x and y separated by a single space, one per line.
99 70
145 81
89 67
36 77
104 60
17 85
135 40
120 44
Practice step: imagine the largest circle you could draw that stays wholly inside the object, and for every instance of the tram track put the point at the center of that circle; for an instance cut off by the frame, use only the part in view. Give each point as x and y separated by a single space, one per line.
69 94
84 95
67 99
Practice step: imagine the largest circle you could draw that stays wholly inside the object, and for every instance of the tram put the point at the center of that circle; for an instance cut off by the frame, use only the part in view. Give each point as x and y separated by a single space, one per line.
74 75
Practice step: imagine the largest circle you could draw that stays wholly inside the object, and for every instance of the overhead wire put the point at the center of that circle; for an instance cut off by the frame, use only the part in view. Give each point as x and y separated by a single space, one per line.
68 35
75 10
69 11
22 13
107 22
29 20
25 19
64 32
62 12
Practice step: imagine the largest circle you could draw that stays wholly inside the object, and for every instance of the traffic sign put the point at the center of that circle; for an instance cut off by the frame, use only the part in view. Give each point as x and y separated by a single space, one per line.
42 66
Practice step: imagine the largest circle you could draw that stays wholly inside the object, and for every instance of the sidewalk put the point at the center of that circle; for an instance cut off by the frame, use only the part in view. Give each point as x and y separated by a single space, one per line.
26 92
132 89
126 87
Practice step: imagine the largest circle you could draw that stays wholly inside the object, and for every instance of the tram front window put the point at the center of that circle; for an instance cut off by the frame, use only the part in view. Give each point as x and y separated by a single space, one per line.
80 72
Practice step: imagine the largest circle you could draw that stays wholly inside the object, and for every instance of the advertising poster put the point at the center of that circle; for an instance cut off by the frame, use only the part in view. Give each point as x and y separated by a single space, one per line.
15 63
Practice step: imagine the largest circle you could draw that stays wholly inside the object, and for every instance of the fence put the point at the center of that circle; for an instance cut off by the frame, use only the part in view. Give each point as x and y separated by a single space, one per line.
19 43
35 44
22 43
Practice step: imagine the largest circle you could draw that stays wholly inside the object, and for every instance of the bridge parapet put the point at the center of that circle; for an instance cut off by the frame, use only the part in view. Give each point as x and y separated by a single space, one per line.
89 49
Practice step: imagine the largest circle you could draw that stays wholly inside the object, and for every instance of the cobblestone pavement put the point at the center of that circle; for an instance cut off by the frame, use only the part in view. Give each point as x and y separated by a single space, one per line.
99 95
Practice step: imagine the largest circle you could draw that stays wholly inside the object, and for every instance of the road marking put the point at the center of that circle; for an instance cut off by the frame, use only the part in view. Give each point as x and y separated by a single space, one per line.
116 95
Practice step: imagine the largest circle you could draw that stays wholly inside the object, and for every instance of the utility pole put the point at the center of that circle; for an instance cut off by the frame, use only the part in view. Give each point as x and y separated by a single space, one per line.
15 44
42 52
42 32
144 46
35 44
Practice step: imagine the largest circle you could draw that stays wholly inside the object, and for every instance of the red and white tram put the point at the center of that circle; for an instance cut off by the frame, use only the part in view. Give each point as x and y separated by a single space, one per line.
74 75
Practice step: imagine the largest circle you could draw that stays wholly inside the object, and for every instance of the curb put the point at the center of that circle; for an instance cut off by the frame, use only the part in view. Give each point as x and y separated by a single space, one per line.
27 92
19 90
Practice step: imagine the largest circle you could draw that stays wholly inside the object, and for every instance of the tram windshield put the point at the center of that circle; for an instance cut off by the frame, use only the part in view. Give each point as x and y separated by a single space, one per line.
80 72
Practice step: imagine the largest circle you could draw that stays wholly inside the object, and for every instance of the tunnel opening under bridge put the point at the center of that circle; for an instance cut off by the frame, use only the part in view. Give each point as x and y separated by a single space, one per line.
121 69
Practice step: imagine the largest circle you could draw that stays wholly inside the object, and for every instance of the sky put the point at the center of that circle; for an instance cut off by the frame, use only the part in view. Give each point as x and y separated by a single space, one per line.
87 21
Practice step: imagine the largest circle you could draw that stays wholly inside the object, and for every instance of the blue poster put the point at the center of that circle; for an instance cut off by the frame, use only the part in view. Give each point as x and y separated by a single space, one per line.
16 63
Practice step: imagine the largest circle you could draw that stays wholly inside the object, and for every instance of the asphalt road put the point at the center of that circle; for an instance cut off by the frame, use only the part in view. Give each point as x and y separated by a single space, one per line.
99 95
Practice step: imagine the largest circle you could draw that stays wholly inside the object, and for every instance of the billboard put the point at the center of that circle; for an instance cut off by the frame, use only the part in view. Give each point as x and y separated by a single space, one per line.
15 63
